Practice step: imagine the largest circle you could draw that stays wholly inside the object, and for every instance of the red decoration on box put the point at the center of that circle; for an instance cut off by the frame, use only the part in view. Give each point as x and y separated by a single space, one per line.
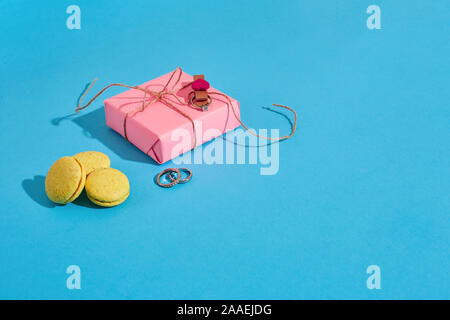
200 85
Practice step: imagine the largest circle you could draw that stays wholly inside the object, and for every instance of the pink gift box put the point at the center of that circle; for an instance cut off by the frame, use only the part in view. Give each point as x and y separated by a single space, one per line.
156 129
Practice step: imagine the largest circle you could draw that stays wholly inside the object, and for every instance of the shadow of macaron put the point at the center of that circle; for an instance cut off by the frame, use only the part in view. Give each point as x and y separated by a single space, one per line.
35 189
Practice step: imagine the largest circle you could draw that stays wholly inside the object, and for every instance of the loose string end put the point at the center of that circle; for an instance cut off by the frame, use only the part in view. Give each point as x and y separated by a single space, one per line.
295 120
79 108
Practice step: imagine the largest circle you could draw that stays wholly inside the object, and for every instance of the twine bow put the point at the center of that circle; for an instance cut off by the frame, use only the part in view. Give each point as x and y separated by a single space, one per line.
163 97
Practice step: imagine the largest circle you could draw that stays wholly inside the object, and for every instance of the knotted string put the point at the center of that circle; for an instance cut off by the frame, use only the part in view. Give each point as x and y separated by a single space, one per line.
163 95
157 96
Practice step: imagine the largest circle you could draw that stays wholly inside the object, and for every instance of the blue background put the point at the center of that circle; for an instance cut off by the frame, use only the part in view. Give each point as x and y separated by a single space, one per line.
365 180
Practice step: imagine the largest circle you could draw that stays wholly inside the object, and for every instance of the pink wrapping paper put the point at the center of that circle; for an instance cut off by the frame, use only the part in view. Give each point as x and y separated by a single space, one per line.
152 130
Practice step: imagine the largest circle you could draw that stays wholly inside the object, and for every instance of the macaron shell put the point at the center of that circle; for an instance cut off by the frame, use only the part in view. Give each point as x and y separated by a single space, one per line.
65 180
108 204
93 160
80 185
107 186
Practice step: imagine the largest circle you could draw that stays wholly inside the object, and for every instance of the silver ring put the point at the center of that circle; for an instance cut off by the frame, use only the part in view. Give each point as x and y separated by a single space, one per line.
204 107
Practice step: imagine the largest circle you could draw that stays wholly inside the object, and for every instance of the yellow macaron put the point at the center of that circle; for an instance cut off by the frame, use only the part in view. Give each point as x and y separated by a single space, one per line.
92 160
107 187
65 180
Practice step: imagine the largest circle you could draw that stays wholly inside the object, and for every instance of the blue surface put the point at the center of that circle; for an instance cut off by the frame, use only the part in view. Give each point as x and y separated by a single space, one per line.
364 181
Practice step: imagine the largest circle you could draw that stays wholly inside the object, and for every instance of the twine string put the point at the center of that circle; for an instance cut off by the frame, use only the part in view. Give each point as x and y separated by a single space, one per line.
162 96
